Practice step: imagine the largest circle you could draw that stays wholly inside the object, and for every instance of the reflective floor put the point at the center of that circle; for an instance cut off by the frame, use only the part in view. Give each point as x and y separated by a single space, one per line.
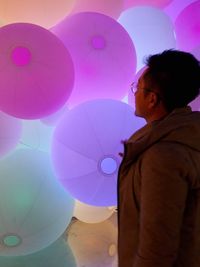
82 245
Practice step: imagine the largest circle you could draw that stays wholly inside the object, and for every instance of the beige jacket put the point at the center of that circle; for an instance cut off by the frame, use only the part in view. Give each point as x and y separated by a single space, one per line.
159 194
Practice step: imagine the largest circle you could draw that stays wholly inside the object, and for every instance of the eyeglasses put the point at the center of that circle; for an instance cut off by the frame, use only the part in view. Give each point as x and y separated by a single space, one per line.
135 89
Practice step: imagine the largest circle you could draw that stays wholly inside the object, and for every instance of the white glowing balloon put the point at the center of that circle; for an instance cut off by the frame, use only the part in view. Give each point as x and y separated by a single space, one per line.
10 133
36 135
150 29
45 13
111 8
35 210
93 243
91 214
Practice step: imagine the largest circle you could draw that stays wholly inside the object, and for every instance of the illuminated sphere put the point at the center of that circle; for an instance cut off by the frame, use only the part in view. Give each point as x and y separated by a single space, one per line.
52 119
58 254
93 243
111 8
85 149
45 13
156 3
150 29
35 209
103 54
37 72
10 133
36 135
91 214
187 27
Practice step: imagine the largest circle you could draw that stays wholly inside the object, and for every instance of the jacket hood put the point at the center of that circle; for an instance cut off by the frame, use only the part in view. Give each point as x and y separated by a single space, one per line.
182 126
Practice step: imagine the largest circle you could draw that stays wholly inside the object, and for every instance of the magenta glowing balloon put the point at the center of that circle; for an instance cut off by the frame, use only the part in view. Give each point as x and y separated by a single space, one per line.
11 130
156 3
37 72
111 8
187 27
85 149
103 54
196 52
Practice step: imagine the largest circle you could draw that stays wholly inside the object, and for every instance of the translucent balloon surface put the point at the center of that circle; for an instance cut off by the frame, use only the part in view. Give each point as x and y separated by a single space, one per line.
150 29
52 119
187 27
10 133
156 3
37 72
91 214
59 254
111 8
93 244
35 209
103 55
85 149
45 13
36 135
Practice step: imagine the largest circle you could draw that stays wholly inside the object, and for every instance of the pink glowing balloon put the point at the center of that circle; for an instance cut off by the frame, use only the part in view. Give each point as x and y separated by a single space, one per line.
11 129
156 3
37 72
86 146
45 13
187 27
111 8
103 55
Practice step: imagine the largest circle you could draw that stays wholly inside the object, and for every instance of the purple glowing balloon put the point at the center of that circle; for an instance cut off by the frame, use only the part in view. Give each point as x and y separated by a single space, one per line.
103 54
187 27
85 149
37 72
11 129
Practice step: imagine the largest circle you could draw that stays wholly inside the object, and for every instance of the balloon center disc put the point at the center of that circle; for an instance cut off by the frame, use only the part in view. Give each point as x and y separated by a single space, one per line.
21 56
11 240
108 165
98 42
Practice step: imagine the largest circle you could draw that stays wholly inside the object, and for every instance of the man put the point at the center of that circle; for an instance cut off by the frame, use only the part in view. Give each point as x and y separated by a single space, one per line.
159 177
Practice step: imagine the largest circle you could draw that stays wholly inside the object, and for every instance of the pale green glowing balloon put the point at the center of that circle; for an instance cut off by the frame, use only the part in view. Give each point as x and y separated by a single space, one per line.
58 254
34 208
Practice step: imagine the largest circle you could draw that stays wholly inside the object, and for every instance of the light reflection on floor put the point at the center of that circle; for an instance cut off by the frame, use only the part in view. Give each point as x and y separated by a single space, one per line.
82 245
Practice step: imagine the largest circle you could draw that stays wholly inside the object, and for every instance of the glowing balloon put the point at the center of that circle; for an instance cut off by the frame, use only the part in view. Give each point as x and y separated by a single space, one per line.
111 8
85 149
196 52
45 13
156 3
52 119
103 55
58 254
35 209
91 214
150 29
10 133
37 72
93 243
187 27
36 135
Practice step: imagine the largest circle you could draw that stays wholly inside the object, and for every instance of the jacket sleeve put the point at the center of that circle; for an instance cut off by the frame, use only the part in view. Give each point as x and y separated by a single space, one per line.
163 196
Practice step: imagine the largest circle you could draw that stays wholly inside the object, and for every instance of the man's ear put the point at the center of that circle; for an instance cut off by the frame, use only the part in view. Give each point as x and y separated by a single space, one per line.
153 99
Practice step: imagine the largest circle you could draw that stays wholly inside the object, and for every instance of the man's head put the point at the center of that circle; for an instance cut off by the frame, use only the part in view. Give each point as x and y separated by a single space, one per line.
171 80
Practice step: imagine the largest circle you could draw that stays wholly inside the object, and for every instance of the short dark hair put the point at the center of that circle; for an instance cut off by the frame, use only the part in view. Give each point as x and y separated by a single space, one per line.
176 74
